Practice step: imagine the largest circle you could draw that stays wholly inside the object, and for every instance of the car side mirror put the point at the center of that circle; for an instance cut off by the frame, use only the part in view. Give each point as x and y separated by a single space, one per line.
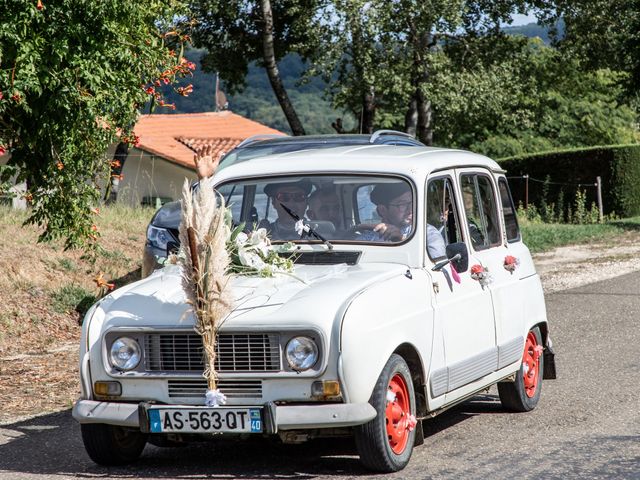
459 248
457 254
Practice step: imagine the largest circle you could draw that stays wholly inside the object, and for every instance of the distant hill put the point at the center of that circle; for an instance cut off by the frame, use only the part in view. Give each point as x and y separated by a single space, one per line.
258 101
533 30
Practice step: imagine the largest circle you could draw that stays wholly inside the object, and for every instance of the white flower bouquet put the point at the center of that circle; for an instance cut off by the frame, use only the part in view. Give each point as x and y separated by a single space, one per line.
253 254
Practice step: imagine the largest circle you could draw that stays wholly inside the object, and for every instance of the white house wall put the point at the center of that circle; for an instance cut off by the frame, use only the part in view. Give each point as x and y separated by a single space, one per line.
147 175
17 191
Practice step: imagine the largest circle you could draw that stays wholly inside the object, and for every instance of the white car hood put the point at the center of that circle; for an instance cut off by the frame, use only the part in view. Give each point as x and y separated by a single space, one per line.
312 296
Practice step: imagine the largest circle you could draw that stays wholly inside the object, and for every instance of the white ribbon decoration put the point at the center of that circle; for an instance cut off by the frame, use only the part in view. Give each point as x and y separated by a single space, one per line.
215 398
300 227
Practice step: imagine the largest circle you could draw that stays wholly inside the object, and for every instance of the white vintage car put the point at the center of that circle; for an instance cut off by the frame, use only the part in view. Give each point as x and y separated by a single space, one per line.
412 291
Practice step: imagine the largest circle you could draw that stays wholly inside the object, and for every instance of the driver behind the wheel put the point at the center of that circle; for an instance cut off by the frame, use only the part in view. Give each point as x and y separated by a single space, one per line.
294 196
394 204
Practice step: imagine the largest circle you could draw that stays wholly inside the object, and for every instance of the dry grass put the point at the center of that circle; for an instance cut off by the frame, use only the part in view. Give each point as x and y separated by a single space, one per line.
42 288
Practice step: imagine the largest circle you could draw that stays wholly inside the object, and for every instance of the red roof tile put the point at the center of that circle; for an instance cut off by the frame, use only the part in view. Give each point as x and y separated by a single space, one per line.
170 136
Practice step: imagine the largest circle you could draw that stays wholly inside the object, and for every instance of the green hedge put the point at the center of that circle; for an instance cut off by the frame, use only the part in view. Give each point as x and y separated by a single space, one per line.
618 165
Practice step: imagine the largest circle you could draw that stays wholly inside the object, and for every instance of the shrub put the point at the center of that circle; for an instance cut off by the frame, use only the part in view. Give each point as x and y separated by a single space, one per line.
71 298
618 166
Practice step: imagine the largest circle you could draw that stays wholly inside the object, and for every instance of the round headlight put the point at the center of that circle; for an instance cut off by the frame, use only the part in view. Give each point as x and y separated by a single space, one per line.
158 237
125 353
302 353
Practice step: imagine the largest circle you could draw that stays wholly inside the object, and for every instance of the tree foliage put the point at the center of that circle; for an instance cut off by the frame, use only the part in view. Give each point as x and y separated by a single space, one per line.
237 32
519 96
383 52
603 33
73 74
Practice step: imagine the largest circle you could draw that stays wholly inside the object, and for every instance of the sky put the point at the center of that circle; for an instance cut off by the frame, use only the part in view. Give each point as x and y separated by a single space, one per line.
523 19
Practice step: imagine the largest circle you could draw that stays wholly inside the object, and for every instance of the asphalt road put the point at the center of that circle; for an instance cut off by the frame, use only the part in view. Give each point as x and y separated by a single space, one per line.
587 424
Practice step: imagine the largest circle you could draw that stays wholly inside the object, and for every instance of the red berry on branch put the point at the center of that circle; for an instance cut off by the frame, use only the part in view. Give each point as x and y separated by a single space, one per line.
39 5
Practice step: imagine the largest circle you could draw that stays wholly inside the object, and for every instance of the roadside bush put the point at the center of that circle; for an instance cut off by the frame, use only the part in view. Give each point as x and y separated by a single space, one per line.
555 175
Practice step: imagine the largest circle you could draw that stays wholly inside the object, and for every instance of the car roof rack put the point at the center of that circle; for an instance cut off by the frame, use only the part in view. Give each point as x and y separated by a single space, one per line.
379 133
259 138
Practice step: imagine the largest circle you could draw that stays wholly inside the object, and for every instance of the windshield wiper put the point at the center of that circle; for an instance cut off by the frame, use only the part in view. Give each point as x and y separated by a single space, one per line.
306 228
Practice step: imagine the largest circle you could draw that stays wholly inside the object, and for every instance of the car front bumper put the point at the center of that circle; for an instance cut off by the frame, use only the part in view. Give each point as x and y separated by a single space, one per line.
278 417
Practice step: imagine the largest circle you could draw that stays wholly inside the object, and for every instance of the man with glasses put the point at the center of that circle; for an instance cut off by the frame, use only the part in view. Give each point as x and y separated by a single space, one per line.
292 195
394 204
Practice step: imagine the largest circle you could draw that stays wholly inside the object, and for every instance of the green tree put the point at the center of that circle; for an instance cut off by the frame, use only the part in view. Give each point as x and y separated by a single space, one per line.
237 32
519 96
356 58
381 54
603 33
73 74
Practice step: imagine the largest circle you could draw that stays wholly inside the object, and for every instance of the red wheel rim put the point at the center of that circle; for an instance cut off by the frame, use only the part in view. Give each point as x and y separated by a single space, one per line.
531 365
398 414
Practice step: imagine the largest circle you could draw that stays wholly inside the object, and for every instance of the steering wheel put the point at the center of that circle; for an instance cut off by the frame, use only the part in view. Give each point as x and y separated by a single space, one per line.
354 231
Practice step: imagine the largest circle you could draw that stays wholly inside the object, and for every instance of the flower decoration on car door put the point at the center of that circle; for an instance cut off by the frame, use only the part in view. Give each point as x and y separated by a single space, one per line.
511 263
481 274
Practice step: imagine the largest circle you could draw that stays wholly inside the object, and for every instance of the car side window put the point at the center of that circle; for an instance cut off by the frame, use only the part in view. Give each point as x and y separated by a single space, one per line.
481 211
443 226
508 211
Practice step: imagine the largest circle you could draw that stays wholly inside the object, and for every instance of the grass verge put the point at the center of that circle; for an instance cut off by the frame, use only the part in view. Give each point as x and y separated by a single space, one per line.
48 290
545 236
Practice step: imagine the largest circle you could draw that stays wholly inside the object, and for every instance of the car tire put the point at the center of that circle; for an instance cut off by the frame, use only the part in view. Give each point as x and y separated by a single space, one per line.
112 445
386 442
523 394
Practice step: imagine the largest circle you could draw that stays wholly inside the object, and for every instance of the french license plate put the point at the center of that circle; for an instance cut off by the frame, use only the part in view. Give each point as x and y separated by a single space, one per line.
204 420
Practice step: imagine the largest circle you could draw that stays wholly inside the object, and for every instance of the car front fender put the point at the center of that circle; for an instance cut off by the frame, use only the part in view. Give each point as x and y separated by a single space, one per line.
383 317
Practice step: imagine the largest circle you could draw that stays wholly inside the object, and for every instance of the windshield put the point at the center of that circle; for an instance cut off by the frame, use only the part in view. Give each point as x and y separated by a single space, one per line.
341 208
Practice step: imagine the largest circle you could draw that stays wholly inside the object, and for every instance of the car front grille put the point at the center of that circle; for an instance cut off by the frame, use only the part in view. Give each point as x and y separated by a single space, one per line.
236 352
232 388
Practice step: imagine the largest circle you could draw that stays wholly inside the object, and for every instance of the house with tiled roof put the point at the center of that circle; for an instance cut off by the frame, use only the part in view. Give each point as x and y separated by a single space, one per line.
156 168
